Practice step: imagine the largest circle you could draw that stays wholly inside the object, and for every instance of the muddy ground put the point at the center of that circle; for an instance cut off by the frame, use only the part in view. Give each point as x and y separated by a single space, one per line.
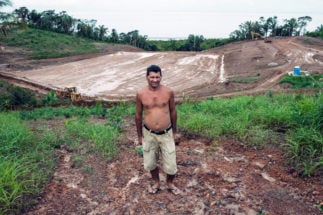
216 176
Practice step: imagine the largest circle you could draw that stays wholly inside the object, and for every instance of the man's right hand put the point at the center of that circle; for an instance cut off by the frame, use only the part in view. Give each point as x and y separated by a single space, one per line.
138 142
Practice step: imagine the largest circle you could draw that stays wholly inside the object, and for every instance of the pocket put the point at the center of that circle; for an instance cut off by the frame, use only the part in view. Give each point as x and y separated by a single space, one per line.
145 141
169 143
146 146
170 147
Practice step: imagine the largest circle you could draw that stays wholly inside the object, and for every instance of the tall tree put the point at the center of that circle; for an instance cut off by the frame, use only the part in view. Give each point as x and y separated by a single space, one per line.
272 25
64 23
34 19
114 37
102 32
48 20
22 14
291 26
302 23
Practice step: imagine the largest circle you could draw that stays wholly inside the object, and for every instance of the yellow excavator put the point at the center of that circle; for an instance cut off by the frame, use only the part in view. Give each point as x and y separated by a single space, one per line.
256 36
69 93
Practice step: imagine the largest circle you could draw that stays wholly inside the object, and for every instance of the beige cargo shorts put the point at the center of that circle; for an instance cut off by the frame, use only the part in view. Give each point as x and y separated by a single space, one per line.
164 144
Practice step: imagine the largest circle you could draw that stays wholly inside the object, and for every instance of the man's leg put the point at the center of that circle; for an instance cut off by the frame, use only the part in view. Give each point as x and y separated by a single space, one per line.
171 187
155 176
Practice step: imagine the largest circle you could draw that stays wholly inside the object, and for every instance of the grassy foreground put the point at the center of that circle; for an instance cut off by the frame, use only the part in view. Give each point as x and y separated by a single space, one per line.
293 122
28 143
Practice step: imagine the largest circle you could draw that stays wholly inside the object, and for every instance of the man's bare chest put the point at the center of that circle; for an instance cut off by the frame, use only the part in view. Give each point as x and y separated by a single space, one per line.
155 101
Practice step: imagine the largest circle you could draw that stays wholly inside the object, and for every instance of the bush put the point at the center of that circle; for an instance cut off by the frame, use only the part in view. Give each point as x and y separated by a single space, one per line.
12 96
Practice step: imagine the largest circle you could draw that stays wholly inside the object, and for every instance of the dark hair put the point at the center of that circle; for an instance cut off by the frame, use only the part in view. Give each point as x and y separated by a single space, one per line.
153 68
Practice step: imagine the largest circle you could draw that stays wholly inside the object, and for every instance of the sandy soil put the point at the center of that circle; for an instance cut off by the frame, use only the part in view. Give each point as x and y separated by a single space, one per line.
216 177
119 74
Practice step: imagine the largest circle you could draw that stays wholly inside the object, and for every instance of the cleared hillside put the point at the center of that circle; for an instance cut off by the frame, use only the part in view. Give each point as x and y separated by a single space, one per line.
117 72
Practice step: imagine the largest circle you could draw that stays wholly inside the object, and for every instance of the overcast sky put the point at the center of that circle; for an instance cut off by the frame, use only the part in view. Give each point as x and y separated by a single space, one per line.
179 18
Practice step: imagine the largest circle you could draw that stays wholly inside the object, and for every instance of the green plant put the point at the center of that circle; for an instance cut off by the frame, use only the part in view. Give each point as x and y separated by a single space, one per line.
292 120
77 161
50 98
312 81
12 97
26 163
139 150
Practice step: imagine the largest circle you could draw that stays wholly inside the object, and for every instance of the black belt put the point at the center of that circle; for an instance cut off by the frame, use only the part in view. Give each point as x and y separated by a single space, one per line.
158 132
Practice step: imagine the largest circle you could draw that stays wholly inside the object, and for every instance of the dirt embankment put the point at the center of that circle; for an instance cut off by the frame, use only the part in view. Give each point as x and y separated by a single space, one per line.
117 73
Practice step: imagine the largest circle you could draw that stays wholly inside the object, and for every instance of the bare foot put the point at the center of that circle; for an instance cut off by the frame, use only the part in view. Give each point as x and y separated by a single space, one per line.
174 190
153 189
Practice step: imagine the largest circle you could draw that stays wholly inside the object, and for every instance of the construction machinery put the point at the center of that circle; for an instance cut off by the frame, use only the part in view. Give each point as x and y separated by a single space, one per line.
257 36
267 40
69 93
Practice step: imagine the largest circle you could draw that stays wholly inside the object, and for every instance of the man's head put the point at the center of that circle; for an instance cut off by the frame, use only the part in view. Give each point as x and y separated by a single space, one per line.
153 68
153 76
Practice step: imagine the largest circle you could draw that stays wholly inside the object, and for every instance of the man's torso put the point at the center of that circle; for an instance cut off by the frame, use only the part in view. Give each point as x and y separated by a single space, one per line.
156 108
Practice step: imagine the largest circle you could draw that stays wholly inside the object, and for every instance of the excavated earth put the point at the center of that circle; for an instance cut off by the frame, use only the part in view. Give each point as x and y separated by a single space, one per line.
215 176
117 74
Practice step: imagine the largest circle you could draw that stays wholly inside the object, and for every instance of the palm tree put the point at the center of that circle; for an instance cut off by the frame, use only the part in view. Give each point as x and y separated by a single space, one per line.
114 36
64 23
291 26
302 22
102 32
272 25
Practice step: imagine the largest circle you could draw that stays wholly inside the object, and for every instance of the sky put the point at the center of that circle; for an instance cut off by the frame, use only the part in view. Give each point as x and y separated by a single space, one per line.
179 18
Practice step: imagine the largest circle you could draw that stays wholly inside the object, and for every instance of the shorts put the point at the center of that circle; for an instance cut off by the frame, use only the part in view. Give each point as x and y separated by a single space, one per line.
154 144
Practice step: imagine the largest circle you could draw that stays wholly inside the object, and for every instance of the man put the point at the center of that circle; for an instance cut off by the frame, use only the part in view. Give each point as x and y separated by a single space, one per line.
157 129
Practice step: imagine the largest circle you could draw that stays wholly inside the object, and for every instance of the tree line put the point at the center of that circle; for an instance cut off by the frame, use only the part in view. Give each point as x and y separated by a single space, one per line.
63 23
271 28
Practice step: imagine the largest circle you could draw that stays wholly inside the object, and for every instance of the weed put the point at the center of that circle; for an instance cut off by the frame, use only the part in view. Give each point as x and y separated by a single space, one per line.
77 161
139 150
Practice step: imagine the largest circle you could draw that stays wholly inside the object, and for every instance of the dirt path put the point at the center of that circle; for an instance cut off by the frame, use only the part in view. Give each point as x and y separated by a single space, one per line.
215 177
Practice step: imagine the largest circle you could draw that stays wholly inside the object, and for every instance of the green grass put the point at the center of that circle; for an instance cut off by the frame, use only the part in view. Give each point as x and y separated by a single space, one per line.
26 164
46 44
312 81
292 121
27 158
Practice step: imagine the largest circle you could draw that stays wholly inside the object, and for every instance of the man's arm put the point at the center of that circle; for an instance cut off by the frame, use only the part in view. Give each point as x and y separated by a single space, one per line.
139 109
173 113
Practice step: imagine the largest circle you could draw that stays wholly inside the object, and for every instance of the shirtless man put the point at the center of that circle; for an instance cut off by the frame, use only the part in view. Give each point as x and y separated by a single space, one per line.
156 128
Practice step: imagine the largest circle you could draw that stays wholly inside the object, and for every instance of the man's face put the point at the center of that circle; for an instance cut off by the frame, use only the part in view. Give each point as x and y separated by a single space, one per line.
154 79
